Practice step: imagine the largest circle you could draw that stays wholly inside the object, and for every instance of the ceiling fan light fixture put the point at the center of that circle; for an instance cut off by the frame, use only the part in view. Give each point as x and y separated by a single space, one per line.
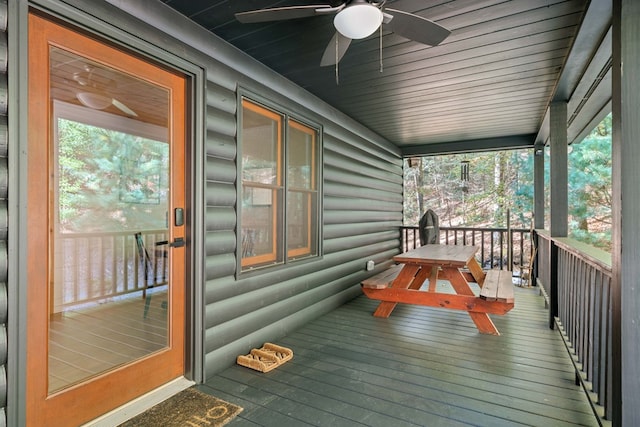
94 100
358 21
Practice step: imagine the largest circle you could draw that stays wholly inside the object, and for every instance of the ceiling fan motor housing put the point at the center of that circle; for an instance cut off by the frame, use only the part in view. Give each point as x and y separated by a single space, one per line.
358 20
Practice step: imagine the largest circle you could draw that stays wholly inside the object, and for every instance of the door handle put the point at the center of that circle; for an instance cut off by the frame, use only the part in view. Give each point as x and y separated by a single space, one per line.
177 243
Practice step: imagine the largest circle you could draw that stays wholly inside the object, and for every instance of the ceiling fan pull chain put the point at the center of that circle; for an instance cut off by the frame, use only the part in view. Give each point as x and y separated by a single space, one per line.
381 67
337 76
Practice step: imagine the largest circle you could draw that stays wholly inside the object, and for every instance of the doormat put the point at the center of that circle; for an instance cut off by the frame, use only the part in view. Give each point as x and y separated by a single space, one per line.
190 407
264 359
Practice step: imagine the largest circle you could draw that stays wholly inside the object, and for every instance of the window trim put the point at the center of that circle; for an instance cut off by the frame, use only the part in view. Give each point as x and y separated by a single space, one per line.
305 251
259 105
278 118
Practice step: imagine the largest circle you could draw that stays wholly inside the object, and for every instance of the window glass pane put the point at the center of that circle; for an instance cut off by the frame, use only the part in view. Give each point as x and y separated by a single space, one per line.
110 179
261 130
260 226
301 156
301 224
261 222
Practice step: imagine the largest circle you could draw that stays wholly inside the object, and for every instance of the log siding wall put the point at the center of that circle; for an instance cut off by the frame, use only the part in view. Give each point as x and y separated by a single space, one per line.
362 212
361 200
4 218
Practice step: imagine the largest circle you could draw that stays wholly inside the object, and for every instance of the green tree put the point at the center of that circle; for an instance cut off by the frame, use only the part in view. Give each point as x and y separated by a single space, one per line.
590 187
109 180
504 180
497 182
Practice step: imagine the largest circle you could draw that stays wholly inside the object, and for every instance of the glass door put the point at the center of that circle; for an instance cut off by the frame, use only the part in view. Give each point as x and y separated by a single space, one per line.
106 203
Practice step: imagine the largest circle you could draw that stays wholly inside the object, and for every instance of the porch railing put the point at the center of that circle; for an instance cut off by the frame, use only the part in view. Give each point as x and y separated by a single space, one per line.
499 247
94 266
576 279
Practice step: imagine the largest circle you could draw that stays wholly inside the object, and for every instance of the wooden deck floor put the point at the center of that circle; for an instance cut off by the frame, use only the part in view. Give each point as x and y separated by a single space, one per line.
420 367
88 341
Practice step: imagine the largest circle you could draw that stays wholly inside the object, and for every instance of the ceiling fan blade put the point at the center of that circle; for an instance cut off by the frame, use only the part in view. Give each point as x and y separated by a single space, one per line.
416 28
120 106
330 55
281 13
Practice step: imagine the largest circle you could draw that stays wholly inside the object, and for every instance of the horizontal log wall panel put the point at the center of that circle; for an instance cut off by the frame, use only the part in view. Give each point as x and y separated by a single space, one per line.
221 170
222 146
358 241
4 136
4 220
339 153
256 317
4 265
220 194
220 242
220 265
333 231
341 189
221 122
355 137
336 217
4 305
220 292
4 177
220 218
353 166
353 179
4 94
221 98
353 203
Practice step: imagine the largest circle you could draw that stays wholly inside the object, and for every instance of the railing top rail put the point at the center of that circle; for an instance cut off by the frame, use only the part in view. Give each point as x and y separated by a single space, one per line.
517 230
111 233
592 255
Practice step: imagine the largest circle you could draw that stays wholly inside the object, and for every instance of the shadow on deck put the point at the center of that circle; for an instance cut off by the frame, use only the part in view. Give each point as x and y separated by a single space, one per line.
421 366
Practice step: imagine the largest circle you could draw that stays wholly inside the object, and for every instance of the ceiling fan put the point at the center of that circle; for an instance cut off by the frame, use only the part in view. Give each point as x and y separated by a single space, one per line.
95 91
355 19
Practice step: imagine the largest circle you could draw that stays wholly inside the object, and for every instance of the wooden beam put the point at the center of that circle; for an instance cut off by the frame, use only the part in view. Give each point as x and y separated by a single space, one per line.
471 145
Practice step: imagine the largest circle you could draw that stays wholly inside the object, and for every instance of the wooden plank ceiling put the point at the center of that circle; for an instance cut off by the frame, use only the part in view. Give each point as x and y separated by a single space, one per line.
493 77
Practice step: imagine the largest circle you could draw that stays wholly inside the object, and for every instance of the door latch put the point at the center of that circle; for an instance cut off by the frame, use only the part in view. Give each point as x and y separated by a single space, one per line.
177 243
179 217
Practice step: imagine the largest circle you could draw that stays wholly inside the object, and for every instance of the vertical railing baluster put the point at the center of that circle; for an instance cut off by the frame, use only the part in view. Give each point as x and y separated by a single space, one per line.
114 271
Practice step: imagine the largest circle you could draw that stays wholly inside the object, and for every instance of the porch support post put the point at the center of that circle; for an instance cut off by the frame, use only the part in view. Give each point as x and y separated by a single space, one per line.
558 182
538 186
625 292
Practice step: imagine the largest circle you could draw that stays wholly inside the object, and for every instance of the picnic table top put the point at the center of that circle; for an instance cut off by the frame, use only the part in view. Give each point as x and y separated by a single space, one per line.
450 255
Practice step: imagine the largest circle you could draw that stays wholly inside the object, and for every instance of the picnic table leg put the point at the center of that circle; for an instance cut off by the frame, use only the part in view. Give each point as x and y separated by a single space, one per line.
422 275
482 320
483 323
433 279
402 281
476 271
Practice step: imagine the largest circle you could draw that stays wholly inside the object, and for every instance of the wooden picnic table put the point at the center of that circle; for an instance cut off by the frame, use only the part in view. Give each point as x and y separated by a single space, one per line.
455 263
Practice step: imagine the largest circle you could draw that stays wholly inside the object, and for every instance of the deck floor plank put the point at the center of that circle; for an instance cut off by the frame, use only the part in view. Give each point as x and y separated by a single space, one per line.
421 366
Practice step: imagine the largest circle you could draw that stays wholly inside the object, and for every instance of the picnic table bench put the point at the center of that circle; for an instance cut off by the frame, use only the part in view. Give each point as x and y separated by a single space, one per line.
402 284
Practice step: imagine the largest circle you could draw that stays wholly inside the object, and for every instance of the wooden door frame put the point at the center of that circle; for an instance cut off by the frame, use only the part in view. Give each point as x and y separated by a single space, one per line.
40 240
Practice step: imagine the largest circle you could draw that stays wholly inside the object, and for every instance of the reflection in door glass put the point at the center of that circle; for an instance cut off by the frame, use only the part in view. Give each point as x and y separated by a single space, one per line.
108 296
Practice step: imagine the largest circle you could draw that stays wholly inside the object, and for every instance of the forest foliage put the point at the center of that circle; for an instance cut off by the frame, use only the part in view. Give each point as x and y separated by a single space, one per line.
499 182
109 181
